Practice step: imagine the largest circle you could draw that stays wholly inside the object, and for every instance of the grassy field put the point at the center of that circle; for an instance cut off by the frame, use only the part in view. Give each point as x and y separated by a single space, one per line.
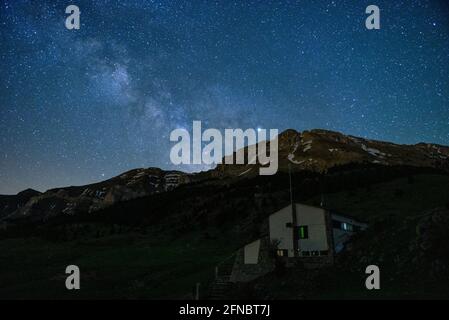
122 266
148 265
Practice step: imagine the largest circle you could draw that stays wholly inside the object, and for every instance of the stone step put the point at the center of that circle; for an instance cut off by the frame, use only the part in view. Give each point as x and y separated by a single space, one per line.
220 287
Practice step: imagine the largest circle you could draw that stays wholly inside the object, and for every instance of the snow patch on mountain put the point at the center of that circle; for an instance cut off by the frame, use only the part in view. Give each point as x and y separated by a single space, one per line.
245 172
374 152
297 162
291 156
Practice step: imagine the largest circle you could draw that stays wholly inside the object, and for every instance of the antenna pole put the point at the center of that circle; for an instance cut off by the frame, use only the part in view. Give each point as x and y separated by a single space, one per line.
290 178
294 220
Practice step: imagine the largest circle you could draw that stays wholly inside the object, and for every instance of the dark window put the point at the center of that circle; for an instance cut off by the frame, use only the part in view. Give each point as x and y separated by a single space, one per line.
315 253
288 224
336 224
324 253
306 253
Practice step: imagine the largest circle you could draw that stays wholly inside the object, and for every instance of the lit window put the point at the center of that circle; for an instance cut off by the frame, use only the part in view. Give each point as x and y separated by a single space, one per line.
346 226
303 232
282 253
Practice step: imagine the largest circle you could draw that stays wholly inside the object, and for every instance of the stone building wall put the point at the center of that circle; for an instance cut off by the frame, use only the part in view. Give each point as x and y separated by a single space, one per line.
242 272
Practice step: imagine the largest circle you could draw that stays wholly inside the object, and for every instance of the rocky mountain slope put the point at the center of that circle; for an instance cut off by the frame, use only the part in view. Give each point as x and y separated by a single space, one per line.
319 150
10 203
315 150
89 198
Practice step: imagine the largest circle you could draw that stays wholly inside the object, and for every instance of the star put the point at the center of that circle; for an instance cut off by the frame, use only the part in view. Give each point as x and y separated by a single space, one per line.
81 105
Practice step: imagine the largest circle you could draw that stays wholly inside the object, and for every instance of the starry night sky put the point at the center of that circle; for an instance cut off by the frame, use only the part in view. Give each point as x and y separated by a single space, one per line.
79 106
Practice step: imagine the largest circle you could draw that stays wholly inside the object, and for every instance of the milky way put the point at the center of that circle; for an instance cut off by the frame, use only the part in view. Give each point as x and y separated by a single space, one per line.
78 106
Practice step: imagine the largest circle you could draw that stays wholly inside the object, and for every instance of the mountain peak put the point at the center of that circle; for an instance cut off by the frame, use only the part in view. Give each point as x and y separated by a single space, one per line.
29 193
320 149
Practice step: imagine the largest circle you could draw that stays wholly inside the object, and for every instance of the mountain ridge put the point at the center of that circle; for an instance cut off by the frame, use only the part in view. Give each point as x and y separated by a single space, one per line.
316 150
320 149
